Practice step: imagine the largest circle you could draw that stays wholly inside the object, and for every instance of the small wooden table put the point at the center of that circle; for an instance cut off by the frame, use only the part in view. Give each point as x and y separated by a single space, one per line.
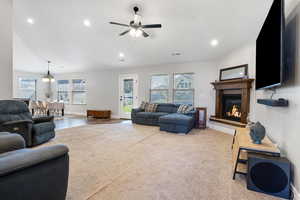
201 117
242 144
103 114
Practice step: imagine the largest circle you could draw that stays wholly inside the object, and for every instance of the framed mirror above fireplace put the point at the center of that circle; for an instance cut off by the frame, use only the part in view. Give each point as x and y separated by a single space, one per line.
233 73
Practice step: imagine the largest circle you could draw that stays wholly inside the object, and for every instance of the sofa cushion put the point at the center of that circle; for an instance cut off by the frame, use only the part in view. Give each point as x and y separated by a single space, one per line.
176 118
151 107
167 107
144 104
152 115
185 109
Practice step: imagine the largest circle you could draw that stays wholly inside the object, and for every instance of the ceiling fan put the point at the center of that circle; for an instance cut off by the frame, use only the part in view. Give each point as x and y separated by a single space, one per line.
135 27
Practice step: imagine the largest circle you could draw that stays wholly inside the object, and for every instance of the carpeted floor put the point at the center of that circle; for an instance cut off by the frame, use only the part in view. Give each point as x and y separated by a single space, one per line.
132 162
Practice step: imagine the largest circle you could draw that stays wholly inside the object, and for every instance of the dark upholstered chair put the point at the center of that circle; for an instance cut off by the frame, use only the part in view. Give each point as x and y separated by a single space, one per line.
15 117
32 174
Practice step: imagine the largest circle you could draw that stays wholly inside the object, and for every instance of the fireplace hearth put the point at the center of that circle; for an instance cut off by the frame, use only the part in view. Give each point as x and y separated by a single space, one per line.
232 101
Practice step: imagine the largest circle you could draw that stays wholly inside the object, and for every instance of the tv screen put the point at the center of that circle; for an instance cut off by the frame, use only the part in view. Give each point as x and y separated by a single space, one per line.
269 48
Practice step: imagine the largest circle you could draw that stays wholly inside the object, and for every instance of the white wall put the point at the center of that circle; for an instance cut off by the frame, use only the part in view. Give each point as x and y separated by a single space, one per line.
6 49
282 124
25 58
103 88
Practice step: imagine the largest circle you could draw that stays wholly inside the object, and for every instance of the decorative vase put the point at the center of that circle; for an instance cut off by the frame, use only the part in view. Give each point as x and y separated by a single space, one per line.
257 133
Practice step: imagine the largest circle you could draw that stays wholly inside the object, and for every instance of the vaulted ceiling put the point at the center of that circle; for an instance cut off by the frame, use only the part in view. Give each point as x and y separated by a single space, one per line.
59 35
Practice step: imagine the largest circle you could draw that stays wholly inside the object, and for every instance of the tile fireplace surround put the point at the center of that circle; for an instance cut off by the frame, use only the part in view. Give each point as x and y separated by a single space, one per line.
234 88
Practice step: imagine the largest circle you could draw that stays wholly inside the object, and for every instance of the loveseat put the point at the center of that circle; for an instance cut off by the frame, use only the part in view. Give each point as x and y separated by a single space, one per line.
166 117
32 174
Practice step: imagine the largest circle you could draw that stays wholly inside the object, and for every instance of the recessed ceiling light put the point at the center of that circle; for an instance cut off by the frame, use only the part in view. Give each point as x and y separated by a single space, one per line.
87 23
214 43
30 21
121 55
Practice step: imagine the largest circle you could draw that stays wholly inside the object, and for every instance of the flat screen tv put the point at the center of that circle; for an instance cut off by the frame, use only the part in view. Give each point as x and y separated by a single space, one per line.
270 48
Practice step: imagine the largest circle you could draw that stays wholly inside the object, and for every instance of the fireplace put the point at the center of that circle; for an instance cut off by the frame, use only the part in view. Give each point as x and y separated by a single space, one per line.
232 101
231 107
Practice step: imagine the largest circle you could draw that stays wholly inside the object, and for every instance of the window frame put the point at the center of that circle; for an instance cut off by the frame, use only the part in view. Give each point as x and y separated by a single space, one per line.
35 86
159 90
78 91
67 91
191 89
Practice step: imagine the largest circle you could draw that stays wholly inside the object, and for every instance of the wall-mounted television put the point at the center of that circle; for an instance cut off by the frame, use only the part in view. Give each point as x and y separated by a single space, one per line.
270 49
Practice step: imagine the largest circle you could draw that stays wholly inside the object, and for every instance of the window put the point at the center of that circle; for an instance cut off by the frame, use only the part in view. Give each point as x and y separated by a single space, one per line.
79 91
63 91
183 88
159 91
27 88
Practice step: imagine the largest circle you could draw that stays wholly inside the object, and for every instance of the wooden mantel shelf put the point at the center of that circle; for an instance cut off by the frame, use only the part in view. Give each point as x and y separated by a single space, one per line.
233 84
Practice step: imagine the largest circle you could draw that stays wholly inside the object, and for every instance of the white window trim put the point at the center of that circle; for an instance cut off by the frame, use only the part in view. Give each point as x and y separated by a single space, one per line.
67 91
168 90
192 89
19 86
77 91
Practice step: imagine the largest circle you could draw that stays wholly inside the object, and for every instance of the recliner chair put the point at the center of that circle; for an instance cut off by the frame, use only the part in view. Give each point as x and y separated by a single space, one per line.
15 117
32 174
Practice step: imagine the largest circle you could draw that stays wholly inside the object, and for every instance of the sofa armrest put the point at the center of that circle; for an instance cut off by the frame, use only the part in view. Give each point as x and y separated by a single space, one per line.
20 159
22 127
191 113
17 122
39 120
10 142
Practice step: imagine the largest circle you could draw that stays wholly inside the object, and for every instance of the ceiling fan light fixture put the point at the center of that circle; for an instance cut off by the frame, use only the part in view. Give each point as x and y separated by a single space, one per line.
136 32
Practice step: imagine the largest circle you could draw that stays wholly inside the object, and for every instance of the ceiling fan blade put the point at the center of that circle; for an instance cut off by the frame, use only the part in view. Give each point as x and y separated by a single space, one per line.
119 24
152 26
121 34
145 34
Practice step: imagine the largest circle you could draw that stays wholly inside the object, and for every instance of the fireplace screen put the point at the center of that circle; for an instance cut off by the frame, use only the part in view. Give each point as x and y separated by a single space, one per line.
232 107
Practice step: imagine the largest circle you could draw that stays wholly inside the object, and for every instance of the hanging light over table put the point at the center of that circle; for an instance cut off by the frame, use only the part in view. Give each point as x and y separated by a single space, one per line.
48 77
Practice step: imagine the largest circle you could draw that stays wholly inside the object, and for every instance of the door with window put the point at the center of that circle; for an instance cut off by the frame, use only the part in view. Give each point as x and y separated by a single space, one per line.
128 94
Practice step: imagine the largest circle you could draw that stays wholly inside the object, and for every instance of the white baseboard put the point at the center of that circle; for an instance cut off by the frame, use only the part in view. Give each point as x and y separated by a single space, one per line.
75 113
296 193
115 117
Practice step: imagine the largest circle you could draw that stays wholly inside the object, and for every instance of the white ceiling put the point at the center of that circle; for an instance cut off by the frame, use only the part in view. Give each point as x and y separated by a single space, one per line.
188 27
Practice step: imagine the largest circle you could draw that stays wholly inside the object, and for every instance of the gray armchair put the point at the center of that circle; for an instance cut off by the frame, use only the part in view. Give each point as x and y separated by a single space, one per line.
33 174
15 117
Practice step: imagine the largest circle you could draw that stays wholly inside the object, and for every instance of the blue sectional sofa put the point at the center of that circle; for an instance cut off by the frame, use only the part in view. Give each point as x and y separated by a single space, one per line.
166 117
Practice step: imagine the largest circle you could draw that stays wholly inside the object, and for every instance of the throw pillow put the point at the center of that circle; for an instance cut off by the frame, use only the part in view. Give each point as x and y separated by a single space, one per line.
151 107
184 109
144 105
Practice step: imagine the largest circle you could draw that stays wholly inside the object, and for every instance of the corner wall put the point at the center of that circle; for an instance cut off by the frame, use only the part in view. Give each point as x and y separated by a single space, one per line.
282 124
6 43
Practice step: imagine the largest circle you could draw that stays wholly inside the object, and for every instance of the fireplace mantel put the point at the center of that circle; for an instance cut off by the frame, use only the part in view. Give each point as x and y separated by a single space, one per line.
233 84
238 86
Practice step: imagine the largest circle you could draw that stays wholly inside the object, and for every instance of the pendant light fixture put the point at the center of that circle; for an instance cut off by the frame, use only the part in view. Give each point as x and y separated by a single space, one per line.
48 77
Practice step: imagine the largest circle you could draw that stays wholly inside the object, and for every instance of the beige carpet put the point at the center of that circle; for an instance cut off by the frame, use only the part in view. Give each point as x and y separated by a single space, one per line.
133 162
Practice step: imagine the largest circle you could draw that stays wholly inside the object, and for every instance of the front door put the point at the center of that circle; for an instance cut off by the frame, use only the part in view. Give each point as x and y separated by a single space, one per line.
128 94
